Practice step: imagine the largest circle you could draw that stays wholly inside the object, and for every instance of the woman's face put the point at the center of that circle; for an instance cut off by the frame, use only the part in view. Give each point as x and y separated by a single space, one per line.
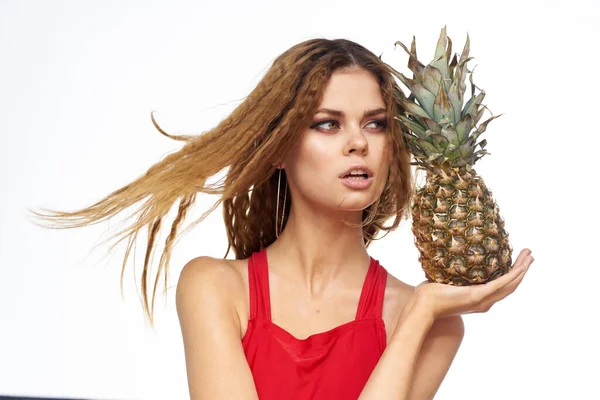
336 141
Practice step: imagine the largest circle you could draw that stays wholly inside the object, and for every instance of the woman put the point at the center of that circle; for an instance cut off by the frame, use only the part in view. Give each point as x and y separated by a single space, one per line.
303 311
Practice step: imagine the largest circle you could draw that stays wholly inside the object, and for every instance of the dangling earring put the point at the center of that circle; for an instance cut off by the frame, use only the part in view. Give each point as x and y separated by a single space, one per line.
277 209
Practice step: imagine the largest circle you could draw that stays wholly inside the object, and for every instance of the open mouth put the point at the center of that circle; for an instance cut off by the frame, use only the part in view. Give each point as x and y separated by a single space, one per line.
358 177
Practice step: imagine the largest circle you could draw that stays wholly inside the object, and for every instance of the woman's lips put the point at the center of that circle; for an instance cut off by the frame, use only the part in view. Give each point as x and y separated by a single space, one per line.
357 183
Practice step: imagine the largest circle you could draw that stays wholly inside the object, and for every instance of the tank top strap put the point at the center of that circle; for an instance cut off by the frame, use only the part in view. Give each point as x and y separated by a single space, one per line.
371 299
258 283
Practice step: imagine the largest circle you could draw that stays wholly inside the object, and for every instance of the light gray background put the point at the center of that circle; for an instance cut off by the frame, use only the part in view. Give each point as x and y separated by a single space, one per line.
78 81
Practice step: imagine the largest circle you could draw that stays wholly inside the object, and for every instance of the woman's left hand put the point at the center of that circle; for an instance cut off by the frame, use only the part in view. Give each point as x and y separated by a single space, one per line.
444 300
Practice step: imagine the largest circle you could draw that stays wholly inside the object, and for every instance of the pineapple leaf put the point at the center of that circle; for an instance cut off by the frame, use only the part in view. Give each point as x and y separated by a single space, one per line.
416 150
442 106
435 124
427 147
466 49
473 86
452 66
461 73
472 159
423 96
464 127
397 74
413 63
440 59
409 135
414 126
475 158
432 125
442 159
473 101
441 44
413 47
449 49
439 141
455 98
461 152
482 127
445 122
478 114
398 93
431 78
460 162
442 65
451 135
414 109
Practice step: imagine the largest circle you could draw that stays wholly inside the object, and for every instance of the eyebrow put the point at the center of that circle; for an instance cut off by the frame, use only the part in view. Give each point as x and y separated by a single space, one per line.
368 113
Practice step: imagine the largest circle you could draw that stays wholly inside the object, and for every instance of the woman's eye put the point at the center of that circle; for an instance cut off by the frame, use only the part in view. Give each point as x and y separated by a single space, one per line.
324 123
380 124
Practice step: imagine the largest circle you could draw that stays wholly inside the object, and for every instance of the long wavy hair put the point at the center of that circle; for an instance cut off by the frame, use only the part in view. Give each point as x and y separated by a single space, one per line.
256 136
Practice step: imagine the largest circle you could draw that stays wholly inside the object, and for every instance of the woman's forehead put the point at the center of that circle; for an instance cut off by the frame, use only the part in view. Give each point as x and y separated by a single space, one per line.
353 91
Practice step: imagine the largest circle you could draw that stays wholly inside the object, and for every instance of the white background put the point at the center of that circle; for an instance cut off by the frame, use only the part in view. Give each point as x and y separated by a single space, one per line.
78 81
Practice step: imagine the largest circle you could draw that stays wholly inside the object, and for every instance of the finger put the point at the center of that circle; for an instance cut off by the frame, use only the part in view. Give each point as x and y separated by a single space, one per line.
512 286
487 289
521 258
521 262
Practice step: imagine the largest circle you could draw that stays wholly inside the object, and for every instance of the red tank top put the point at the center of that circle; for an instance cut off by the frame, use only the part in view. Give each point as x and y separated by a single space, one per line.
335 364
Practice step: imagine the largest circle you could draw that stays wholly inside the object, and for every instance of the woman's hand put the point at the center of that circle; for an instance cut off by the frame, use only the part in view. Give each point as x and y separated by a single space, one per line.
444 300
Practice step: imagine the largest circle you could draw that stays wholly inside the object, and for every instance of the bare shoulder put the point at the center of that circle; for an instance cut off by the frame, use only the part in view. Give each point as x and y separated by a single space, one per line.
211 280
209 271
207 294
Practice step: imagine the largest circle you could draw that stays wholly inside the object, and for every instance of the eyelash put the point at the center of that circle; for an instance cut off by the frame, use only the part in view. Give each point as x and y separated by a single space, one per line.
382 124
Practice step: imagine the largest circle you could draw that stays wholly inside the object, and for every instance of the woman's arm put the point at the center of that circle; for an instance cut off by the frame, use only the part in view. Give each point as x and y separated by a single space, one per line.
436 357
429 332
417 357
215 362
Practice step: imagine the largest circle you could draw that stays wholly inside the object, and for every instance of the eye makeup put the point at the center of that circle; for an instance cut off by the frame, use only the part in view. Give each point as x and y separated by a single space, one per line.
382 124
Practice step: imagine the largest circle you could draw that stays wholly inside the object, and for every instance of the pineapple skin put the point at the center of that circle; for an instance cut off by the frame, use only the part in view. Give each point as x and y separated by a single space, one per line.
458 229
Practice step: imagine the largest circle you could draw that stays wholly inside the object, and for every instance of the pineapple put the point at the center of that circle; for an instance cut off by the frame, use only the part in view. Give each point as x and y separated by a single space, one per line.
457 227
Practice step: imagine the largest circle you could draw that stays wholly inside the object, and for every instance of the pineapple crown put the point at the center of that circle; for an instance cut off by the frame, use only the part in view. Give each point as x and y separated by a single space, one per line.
440 129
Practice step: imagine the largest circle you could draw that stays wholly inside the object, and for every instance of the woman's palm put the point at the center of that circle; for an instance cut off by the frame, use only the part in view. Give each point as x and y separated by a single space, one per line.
444 300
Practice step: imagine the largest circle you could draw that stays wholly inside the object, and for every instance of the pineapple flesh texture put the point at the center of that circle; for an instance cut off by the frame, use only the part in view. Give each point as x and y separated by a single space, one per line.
457 226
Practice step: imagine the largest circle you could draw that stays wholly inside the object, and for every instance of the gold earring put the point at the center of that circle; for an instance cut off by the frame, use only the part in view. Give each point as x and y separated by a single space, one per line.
277 209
